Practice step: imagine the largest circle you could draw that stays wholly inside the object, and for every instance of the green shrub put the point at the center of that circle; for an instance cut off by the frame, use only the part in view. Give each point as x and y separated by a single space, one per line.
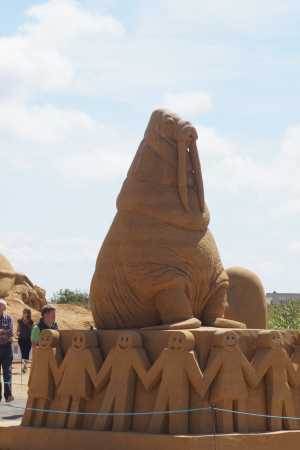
285 316
67 296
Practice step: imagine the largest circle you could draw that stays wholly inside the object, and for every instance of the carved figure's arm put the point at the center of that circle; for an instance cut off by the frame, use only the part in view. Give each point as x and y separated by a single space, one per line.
296 358
91 367
214 364
249 371
141 364
194 372
292 373
154 373
56 371
103 375
261 362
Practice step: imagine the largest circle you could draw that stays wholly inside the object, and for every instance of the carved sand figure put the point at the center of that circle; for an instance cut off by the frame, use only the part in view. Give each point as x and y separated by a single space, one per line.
272 362
43 378
159 250
230 375
123 364
77 377
17 285
176 368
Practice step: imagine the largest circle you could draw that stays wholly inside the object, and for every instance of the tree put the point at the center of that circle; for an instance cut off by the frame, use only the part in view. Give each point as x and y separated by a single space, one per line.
284 316
67 296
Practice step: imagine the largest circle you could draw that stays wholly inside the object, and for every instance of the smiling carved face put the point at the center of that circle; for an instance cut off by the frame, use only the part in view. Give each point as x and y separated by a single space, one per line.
128 340
79 341
46 340
269 339
228 339
181 341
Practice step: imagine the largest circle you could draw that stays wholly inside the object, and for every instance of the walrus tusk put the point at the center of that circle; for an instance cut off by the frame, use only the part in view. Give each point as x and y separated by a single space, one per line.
198 174
182 175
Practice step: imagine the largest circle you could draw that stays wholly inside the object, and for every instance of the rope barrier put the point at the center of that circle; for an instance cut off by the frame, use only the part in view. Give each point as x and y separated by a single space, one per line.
244 413
146 413
81 413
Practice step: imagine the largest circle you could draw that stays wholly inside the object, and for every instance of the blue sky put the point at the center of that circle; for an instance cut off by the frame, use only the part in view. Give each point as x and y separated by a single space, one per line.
78 81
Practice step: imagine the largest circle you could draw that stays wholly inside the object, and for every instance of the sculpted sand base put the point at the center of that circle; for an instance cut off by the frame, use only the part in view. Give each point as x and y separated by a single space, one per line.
153 371
21 438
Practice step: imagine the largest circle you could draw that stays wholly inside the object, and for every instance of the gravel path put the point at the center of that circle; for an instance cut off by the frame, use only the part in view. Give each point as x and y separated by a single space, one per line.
8 414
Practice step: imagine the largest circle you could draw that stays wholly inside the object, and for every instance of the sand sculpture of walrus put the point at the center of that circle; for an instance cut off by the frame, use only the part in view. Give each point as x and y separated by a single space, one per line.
159 265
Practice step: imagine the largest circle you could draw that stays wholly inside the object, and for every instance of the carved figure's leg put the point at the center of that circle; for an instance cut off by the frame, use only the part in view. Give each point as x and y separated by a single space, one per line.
28 414
161 404
61 419
123 404
225 422
39 417
74 420
104 422
275 409
241 420
179 423
289 411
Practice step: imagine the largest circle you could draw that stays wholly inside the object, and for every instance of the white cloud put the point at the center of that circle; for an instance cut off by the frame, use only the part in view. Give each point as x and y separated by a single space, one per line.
43 124
188 103
48 53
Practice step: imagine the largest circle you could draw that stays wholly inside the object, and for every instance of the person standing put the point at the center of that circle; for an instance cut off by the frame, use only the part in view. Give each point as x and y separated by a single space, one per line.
6 354
24 337
46 322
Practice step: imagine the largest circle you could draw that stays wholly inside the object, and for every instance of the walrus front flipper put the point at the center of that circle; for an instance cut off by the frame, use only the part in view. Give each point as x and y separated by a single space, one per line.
174 308
246 298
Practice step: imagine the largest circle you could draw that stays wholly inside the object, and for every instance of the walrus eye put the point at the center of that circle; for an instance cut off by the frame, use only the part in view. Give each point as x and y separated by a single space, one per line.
168 127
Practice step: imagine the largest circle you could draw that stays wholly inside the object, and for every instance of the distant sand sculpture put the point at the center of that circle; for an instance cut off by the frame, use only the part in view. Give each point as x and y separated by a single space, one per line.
18 286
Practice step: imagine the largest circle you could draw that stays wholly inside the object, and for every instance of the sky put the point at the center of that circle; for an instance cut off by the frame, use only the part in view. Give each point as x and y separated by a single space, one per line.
78 82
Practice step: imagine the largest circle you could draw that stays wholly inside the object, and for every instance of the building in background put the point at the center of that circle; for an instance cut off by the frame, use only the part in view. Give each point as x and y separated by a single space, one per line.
278 298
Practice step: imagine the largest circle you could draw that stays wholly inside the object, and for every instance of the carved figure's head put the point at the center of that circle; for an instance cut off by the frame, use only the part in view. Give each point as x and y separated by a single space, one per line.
168 167
181 340
48 339
79 341
269 339
129 339
225 338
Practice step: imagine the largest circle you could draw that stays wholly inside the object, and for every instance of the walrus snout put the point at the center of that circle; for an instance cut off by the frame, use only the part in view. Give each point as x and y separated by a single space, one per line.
186 133
186 143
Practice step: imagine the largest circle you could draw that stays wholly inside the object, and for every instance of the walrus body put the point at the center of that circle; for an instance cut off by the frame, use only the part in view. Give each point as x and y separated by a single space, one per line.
159 263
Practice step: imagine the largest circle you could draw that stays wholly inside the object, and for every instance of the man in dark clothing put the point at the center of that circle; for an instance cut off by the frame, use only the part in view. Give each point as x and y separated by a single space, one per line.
46 322
6 354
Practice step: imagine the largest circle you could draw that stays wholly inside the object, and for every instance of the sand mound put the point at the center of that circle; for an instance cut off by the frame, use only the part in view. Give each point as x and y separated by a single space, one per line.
68 316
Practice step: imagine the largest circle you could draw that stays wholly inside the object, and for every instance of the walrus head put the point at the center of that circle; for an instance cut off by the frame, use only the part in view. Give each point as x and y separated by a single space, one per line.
165 178
182 136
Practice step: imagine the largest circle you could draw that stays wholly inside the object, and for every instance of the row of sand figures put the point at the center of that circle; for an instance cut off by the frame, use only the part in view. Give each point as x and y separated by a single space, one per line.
228 376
